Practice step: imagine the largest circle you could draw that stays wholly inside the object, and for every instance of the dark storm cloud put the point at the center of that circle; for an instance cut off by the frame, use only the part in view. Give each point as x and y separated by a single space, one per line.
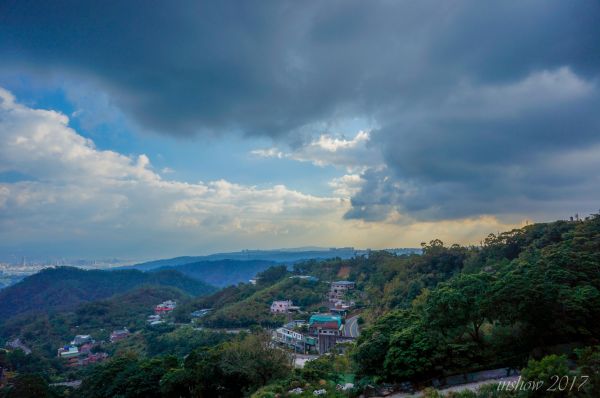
454 86
528 154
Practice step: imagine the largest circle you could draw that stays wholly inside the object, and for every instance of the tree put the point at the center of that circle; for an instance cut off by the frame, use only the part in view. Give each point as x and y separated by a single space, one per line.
411 354
128 376
460 305
374 342
254 360
322 368
546 370
588 362
29 385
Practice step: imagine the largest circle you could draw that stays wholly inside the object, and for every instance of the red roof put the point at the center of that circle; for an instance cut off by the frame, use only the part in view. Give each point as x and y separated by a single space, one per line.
325 325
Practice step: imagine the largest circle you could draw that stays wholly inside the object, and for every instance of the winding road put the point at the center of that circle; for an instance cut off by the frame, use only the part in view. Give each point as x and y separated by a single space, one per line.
351 327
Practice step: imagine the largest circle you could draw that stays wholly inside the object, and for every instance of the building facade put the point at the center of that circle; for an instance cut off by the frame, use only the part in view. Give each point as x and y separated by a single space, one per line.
338 289
290 338
326 328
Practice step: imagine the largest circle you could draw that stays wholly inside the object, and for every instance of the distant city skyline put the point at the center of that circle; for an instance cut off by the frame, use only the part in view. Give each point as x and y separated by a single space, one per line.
145 131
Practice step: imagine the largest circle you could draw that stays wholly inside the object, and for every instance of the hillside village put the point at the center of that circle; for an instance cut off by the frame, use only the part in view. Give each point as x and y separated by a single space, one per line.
305 334
323 331
317 335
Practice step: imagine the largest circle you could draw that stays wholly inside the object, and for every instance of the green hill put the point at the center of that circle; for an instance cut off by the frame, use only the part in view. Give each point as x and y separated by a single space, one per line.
64 288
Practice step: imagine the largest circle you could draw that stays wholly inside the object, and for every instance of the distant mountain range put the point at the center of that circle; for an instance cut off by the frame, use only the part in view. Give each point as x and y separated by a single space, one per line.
278 256
63 288
224 269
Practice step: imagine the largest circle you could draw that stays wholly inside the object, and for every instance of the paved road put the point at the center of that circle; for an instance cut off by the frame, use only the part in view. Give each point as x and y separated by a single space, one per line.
351 327
462 387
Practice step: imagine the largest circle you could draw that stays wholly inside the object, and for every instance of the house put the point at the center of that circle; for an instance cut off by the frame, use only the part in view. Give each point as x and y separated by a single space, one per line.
281 306
326 328
81 339
290 338
119 334
325 324
165 307
341 307
68 351
81 355
338 289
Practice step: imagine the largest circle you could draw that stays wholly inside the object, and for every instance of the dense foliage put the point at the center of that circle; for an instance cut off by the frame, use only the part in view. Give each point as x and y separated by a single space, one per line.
230 369
522 293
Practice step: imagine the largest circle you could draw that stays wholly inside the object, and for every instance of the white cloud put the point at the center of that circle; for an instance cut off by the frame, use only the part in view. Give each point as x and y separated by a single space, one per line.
268 153
73 188
333 144
347 185
354 154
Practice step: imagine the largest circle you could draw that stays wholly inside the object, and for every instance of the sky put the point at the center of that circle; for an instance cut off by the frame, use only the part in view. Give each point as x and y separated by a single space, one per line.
146 129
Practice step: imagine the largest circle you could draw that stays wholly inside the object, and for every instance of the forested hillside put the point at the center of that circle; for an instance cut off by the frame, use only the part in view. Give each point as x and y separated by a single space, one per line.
64 288
524 293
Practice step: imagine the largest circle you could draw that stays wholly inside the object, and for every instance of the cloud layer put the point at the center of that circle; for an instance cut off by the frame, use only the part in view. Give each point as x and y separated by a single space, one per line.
65 196
481 109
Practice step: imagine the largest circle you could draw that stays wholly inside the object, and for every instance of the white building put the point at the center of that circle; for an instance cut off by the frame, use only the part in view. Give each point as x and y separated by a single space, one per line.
281 306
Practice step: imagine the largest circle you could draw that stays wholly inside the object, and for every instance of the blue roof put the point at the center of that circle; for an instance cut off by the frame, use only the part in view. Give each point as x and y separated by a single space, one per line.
320 318
344 283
